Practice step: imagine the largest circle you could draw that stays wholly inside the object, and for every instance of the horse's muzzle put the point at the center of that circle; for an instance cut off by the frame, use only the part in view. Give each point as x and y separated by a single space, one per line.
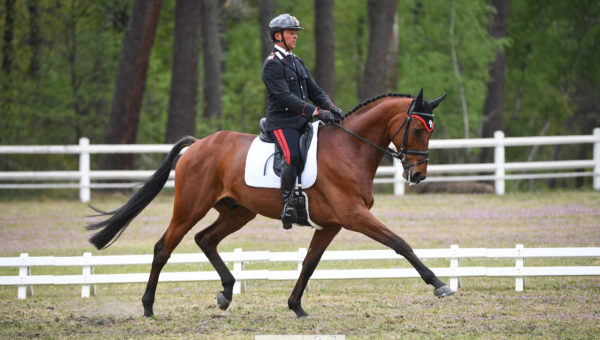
417 177
413 177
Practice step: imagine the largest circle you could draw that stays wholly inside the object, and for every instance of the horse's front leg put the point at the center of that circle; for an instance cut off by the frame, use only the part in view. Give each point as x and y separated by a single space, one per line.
321 239
364 222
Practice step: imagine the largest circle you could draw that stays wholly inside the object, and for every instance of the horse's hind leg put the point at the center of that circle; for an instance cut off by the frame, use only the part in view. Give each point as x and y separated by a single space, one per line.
232 217
181 222
321 239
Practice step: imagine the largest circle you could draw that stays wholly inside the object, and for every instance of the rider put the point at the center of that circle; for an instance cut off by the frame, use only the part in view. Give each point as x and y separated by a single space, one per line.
289 87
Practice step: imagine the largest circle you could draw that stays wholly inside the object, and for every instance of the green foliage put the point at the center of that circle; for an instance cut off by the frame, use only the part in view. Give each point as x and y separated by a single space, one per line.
243 90
69 97
153 117
426 61
351 43
552 78
555 44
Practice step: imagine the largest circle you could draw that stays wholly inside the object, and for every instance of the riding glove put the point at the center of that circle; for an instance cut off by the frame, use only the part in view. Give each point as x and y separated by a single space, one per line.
337 113
325 116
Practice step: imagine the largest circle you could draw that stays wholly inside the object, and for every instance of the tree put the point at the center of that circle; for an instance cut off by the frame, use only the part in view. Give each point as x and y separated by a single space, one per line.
391 59
35 40
131 81
493 107
7 48
211 47
381 20
325 46
265 14
183 98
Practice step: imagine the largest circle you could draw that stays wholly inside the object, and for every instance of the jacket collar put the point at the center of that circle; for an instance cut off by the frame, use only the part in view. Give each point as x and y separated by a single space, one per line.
281 50
281 54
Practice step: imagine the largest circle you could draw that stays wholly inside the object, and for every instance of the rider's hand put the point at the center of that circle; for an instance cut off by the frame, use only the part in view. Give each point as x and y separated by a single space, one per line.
325 116
337 113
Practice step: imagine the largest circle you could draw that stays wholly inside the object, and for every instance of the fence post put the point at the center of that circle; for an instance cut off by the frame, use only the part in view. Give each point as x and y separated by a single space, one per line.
84 169
519 263
398 180
499 162
454 264
597 159
238 267
24 290
88 271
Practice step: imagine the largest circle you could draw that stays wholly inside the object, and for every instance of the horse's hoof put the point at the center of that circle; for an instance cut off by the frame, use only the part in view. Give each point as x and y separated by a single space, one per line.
443 291
222 301
300 313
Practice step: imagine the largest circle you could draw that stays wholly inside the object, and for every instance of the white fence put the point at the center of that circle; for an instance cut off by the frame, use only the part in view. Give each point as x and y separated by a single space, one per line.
26 280
497 171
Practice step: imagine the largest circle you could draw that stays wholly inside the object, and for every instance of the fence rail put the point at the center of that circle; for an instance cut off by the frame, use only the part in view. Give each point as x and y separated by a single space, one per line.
497 171
25 280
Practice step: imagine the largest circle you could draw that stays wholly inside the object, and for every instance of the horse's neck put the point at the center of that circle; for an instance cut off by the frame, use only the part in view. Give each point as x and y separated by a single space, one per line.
372 125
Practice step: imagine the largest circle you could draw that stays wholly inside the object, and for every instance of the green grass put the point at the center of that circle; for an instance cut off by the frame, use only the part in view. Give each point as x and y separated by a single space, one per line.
559 308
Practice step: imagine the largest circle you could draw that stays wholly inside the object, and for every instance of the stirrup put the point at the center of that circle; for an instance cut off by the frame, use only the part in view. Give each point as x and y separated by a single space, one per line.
288 216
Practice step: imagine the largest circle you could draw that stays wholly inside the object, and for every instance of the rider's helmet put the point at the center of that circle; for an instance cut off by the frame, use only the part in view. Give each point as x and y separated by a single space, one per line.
283 22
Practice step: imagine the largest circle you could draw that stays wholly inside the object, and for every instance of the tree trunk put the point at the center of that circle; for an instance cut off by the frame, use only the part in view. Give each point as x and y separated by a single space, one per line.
183 98
381 20
391 59
325 44
493 108
72 56
265 14
457 74
34 41
131 81
211 48
7 47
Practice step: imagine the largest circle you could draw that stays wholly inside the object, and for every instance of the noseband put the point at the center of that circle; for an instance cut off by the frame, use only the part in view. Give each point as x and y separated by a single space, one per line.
403 152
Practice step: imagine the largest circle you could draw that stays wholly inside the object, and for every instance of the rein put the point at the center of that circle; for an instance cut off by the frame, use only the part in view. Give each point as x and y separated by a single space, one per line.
401 155
387 151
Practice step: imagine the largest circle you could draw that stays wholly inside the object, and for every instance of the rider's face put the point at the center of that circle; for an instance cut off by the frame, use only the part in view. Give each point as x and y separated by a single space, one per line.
290 37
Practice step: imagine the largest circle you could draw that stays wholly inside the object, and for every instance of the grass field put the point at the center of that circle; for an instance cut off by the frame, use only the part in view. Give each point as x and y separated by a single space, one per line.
565 308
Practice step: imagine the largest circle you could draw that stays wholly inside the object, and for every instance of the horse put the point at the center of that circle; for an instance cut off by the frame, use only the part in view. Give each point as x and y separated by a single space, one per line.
210 174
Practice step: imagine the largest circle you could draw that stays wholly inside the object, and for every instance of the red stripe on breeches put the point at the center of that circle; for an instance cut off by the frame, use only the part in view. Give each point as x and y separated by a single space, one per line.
283 144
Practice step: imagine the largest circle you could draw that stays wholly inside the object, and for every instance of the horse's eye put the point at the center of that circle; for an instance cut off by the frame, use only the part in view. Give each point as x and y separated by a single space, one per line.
416 131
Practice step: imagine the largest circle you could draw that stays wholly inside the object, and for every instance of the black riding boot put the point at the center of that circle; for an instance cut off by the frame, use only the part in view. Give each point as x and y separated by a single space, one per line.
288 183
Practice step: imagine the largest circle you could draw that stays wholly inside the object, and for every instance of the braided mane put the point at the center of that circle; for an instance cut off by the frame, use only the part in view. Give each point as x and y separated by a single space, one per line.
374 99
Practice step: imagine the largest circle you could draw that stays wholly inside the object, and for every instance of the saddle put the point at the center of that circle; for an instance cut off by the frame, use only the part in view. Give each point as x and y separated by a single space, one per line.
306 136
300 200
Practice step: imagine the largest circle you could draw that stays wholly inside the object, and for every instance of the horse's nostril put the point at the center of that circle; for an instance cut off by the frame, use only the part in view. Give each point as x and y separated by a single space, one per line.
417 177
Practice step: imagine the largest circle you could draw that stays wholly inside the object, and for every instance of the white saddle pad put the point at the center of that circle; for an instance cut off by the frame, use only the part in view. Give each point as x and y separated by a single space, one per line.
259 164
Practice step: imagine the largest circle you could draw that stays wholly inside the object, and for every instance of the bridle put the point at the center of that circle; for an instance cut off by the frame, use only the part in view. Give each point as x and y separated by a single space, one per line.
403 152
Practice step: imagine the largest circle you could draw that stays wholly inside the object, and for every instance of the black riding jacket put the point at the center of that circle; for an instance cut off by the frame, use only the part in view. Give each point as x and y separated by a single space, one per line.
289 88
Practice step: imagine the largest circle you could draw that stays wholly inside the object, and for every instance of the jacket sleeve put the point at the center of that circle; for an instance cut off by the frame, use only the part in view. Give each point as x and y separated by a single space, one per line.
274 79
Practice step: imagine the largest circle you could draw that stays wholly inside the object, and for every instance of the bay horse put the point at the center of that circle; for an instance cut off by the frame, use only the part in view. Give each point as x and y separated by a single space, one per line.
210 174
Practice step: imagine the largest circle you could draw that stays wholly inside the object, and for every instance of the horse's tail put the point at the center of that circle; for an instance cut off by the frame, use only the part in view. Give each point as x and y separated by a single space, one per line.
119 219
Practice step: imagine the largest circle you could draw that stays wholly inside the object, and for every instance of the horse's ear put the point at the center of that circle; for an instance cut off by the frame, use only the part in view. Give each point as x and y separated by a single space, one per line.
434 103
419 97
417 101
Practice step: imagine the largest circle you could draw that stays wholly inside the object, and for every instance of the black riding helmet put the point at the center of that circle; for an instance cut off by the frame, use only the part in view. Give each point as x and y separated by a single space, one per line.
283 22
